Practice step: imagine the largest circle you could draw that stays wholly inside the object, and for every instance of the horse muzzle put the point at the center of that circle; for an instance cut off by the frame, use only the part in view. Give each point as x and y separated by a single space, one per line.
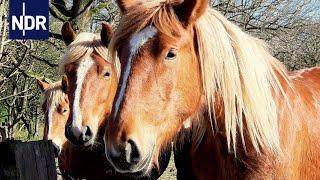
127 158
76 136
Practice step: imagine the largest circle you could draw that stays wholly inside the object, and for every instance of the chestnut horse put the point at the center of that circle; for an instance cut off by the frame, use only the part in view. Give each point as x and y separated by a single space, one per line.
184 63
56 109
73 161
91 80
89 71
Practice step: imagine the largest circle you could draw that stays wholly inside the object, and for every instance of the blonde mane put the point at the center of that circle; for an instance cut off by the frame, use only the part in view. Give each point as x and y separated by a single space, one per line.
234 65
82 47
240 69
54 94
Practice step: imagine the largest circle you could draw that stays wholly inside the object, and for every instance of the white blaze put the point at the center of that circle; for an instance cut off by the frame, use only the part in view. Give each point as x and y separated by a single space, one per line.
50 118
82 71
137 41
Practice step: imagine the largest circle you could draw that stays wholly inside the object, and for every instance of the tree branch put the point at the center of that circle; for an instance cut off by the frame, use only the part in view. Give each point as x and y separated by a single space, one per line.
55 15
55 35
14 95
85 7
61 7
45 61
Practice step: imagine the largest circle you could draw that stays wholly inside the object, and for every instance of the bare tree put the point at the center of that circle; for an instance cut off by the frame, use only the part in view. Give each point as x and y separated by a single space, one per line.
289 26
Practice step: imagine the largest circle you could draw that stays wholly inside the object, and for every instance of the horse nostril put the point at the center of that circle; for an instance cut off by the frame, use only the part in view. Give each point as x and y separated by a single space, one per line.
86 134
68 133
132 152
78 136
125 155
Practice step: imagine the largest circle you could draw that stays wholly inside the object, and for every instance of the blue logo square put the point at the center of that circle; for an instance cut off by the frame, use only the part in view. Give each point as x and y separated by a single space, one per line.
29 19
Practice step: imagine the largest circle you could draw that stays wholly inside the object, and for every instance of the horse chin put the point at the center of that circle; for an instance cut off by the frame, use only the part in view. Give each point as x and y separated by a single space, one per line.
143 168
89 143
85 145
139 170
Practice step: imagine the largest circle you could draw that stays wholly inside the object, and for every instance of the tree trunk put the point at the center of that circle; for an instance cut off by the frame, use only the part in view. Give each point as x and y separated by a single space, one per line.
36 123
3 25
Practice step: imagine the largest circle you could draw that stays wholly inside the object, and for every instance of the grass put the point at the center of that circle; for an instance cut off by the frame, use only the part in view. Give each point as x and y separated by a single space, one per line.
24 136
171 172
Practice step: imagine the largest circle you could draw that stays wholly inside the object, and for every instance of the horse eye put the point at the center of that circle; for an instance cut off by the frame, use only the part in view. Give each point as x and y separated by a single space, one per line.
107 74
62 109
172 54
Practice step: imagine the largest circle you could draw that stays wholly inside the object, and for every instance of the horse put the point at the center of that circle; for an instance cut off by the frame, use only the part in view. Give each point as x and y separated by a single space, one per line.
56 109
185 67
73 161
88 71
90 81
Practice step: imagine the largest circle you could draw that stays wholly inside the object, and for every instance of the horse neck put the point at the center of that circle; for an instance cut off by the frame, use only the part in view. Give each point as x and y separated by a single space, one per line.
211 150
214 122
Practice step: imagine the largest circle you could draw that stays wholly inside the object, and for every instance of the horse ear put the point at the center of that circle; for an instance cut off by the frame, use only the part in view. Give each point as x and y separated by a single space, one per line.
43 85
106 33
64 83
68 34
188 11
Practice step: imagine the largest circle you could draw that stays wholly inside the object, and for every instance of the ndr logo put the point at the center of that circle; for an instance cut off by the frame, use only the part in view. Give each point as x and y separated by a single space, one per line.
29 19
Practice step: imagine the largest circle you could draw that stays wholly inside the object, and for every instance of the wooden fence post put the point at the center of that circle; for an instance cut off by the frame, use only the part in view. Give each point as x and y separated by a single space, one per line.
27 161
3 135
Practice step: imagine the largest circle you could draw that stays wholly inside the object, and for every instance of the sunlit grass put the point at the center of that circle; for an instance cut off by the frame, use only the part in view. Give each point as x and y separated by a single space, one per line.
171 171
23 135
